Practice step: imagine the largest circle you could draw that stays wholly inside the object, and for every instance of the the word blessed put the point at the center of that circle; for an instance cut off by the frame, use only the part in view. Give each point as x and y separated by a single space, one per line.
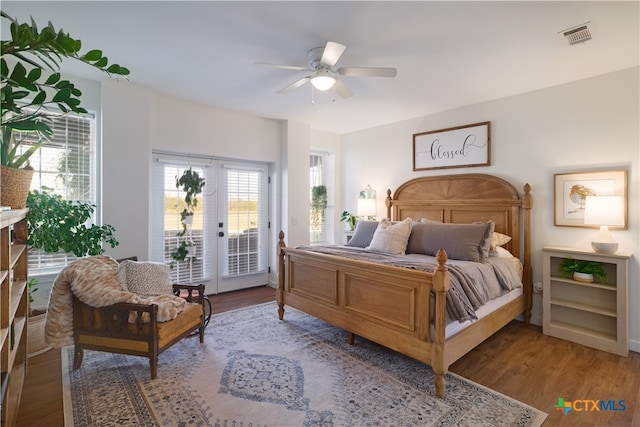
438 151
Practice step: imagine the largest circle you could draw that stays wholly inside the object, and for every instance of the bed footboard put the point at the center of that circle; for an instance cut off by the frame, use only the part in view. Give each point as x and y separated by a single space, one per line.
385 304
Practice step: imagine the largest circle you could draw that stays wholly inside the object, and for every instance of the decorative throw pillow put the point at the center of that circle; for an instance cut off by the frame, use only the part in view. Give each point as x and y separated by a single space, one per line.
145 278
391 238
418 234
499 239
466 242
363 234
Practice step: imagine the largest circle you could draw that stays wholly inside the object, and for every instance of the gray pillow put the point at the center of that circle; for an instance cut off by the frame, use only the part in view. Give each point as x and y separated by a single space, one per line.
466 242
363 234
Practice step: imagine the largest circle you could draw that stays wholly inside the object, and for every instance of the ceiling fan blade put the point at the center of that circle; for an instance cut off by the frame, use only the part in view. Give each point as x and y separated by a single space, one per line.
286 67
332 53
295 84
342 89
367 71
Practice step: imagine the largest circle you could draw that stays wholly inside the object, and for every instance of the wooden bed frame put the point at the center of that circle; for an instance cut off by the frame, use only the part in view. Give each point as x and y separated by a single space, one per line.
391 305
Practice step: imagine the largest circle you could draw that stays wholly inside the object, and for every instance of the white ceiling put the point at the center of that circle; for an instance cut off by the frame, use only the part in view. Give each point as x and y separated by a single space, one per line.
448 54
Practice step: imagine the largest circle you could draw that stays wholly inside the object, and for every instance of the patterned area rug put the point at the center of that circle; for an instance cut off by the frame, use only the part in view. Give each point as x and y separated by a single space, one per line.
254 370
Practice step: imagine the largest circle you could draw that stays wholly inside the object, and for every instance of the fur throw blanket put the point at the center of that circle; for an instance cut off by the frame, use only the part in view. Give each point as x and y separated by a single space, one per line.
94 281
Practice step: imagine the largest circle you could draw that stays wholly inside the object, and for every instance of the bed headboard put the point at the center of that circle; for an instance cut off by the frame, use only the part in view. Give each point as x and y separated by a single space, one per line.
468 198
464 199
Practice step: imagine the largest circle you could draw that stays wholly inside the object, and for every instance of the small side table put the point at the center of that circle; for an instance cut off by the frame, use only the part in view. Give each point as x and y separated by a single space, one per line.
592 314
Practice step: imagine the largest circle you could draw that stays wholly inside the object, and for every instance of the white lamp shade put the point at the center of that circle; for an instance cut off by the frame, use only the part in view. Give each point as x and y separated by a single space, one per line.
366 207
604 210
323 82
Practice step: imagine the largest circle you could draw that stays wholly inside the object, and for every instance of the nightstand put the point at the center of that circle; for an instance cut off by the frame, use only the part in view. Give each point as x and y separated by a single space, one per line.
593 314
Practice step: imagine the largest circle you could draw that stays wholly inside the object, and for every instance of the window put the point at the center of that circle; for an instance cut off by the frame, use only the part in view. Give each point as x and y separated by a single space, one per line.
66 166
168 203
318 198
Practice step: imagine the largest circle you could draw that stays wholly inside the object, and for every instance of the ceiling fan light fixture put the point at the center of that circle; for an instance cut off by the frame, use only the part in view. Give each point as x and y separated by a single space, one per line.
323 82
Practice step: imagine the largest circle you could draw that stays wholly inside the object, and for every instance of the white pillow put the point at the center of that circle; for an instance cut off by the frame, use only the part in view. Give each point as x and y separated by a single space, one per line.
501 252
391 238
145 278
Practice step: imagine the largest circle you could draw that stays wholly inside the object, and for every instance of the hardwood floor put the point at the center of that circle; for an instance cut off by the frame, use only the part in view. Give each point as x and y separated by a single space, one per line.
518 361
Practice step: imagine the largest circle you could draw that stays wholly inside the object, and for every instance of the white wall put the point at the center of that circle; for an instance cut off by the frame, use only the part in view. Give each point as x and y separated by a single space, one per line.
136 121
586 125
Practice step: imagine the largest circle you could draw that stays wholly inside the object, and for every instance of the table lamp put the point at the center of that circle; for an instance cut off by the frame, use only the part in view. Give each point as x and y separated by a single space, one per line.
367 203
604 211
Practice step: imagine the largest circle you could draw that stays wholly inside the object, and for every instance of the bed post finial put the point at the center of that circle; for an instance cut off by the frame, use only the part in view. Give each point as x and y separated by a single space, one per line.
280 288
387 203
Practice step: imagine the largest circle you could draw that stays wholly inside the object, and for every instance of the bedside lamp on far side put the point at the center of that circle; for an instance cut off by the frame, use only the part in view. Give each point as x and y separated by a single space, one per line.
604 211
367 203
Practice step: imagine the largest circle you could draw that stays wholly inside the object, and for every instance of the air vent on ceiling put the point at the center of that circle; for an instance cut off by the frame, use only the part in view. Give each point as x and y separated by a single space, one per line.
578 34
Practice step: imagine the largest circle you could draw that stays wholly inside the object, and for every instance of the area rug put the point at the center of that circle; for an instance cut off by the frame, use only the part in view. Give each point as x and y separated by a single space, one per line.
255 370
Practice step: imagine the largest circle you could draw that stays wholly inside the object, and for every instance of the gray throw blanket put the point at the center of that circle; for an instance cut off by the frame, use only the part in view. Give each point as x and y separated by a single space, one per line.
472 284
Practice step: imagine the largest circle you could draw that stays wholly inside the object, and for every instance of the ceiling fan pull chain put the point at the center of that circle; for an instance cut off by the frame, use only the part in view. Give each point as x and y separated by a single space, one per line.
313 102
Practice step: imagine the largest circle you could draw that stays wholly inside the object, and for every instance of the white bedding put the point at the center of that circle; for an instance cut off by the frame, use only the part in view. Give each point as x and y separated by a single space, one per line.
453 328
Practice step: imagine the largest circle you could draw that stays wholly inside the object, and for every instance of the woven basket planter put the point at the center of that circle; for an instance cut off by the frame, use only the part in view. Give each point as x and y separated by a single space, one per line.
14 186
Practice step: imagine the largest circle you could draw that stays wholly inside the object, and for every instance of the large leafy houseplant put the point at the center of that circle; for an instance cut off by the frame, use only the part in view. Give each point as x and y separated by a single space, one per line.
58 225
33 83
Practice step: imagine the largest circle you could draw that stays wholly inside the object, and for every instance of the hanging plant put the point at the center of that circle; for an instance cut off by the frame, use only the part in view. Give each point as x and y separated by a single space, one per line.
318 203
192 184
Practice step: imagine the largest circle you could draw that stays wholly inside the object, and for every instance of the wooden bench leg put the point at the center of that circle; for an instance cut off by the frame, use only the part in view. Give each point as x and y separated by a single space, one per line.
352 338
78 354
153 364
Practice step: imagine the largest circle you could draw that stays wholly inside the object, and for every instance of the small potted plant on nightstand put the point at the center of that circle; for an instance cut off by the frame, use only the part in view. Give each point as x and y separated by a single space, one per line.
582 271
350 219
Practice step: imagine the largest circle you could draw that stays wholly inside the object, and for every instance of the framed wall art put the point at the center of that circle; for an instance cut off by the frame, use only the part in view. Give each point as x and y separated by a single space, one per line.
572 189
462 146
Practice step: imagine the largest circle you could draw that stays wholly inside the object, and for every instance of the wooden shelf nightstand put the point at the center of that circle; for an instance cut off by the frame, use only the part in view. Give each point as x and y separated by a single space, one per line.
592 314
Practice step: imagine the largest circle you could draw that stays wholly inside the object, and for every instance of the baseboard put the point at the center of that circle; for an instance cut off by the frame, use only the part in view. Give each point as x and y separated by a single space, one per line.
634 346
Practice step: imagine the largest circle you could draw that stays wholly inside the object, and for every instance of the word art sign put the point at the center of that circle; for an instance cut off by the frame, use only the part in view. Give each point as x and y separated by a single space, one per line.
461 146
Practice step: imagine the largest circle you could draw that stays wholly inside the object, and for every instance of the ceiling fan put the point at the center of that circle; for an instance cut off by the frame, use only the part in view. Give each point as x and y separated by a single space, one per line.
322 61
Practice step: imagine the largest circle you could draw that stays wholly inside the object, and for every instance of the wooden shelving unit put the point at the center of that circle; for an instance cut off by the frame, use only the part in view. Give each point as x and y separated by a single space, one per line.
14 307
592 314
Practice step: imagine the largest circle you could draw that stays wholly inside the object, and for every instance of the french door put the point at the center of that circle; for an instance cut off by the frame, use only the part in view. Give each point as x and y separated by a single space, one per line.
230 227
242 225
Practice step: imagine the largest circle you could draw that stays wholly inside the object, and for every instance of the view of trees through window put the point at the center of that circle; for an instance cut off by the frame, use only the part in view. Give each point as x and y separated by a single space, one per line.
317 198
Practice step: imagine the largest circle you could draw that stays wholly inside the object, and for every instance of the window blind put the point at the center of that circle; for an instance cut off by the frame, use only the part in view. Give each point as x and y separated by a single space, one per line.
246 207
167 203
66 166
318 225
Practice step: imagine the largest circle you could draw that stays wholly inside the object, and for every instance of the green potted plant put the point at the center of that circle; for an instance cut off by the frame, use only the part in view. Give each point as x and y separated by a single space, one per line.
582 271
192 184
30 84
56 224
350 219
